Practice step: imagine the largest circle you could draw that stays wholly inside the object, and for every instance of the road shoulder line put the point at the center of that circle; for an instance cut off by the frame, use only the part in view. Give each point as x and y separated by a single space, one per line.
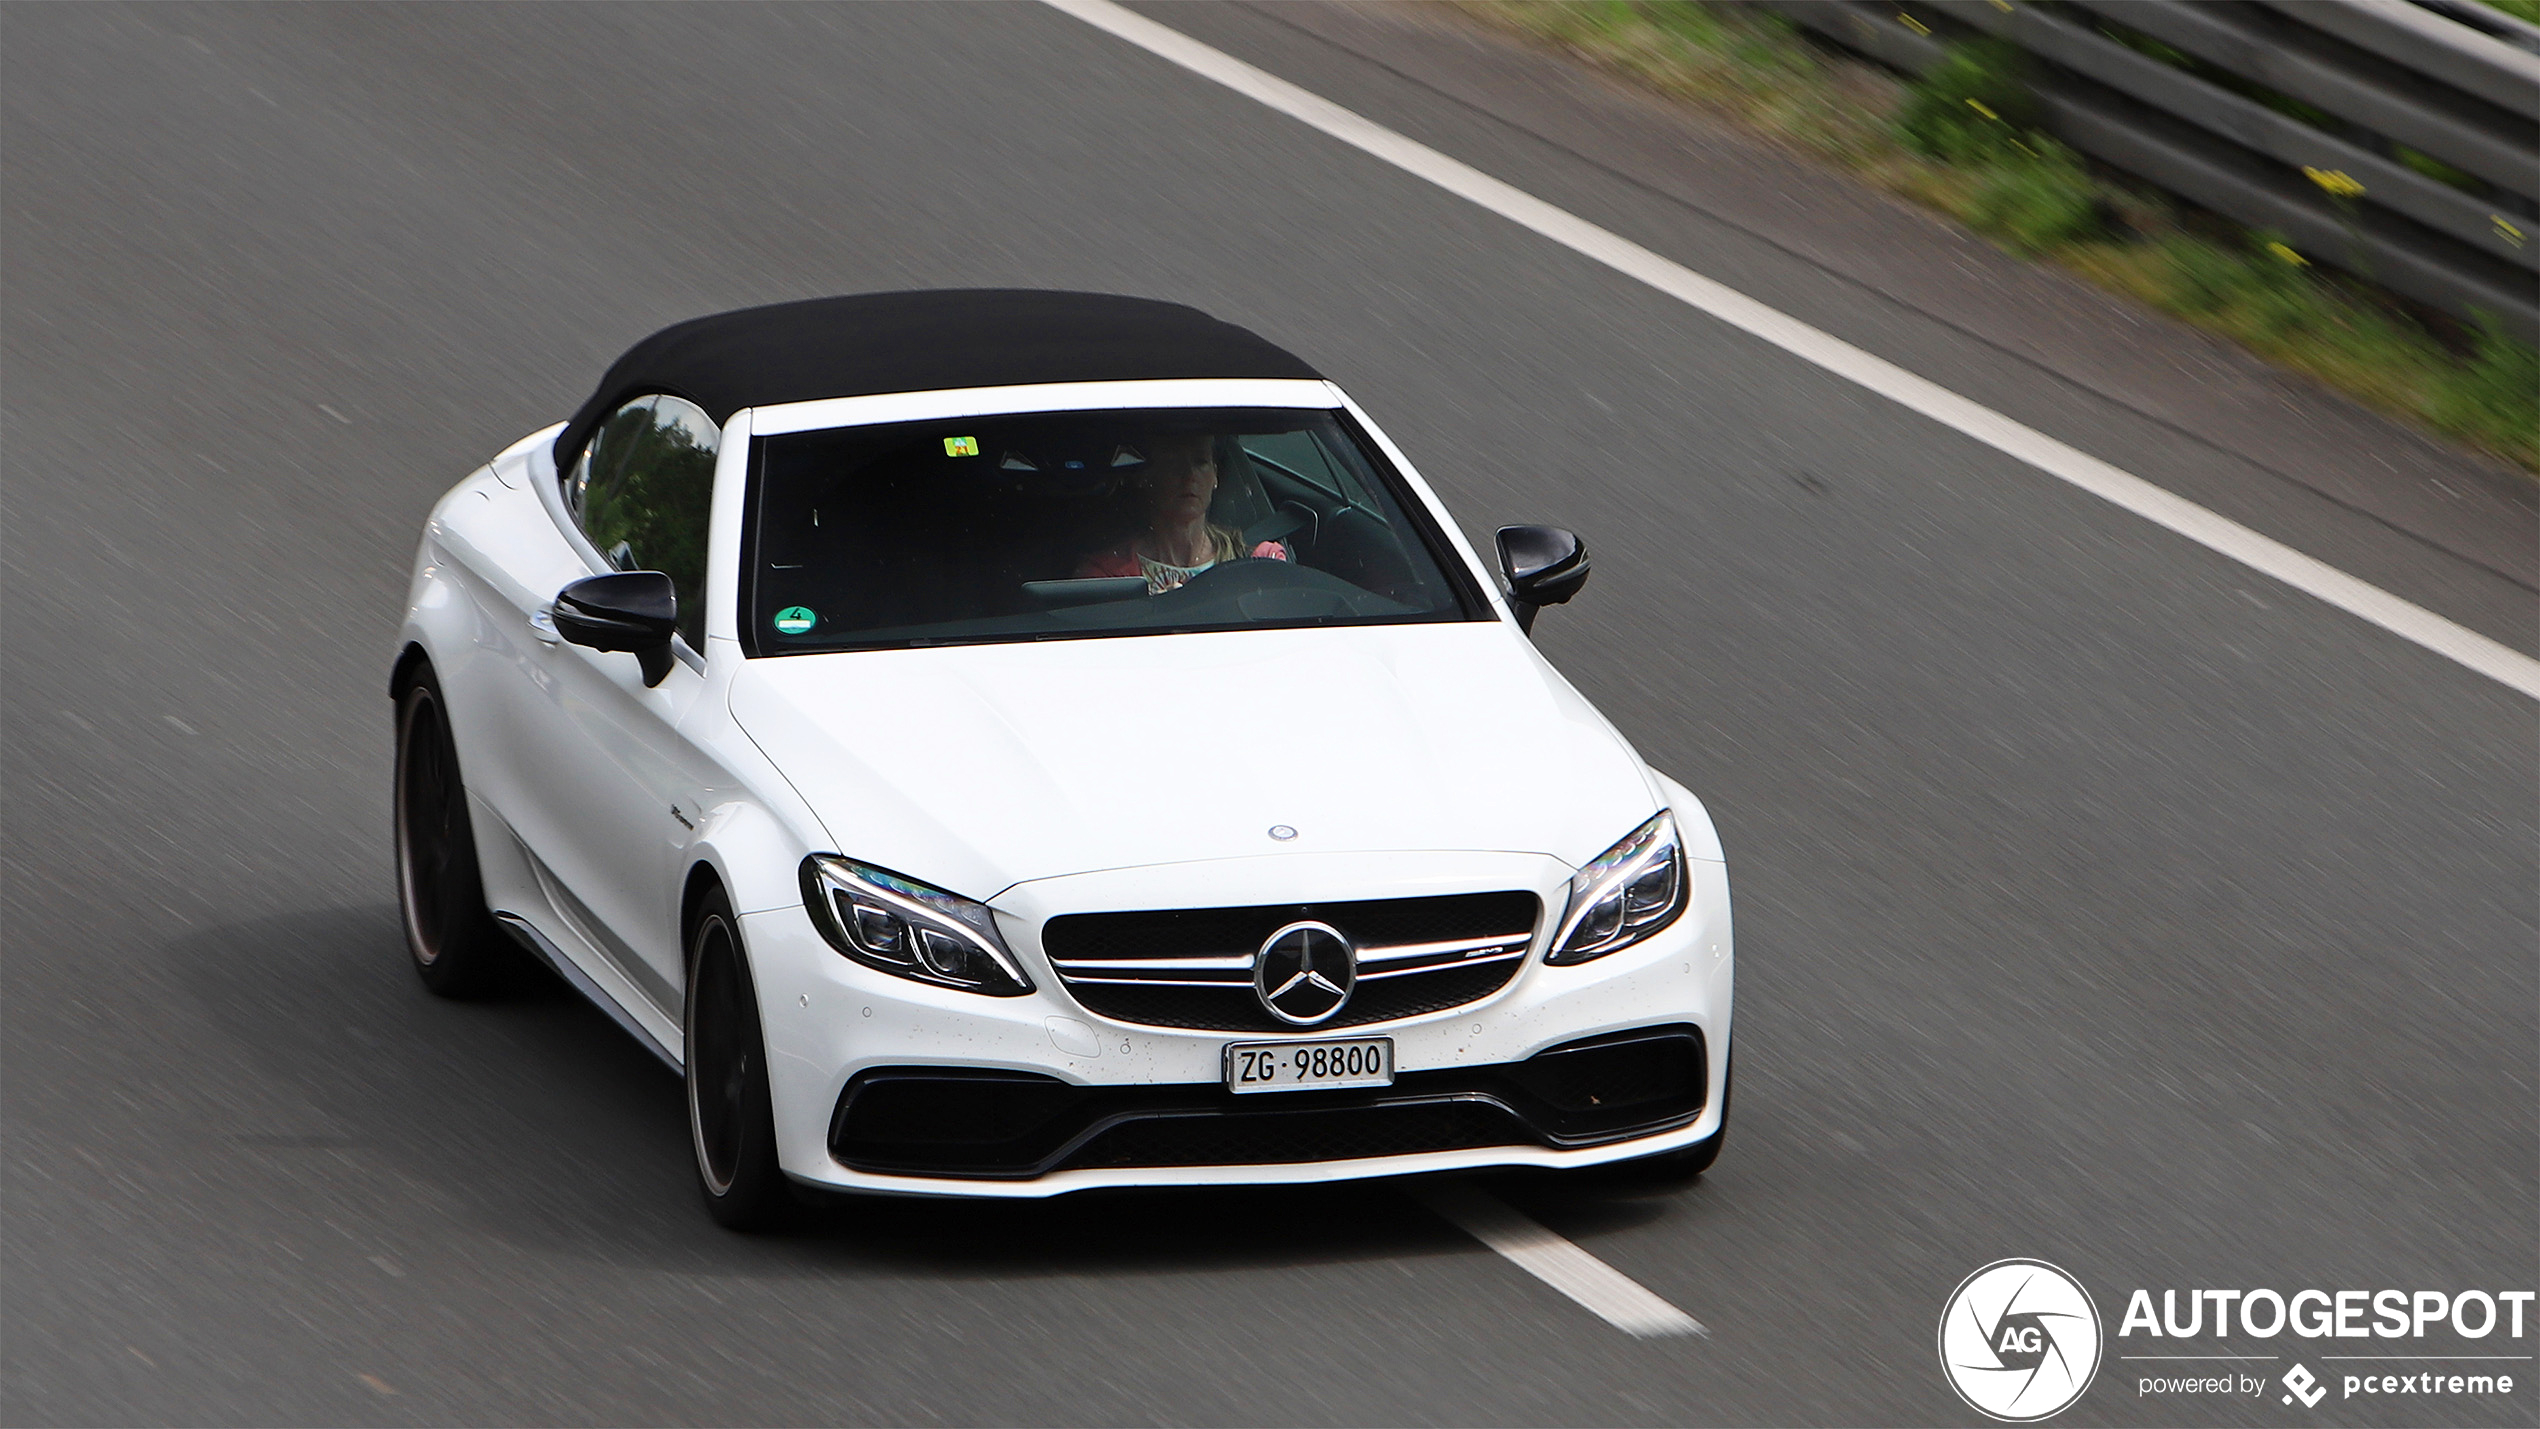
2210 529
1620 1300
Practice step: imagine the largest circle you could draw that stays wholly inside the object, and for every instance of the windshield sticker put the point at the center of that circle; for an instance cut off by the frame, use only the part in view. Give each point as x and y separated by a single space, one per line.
798 619
961 446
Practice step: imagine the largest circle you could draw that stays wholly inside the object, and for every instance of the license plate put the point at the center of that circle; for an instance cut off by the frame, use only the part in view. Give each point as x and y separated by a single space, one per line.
1309 1066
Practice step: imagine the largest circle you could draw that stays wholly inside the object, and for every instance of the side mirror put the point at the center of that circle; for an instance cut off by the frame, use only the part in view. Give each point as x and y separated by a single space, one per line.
634 611
1545 565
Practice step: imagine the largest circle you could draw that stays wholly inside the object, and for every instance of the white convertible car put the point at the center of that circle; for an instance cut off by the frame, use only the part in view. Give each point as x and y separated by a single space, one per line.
1000 743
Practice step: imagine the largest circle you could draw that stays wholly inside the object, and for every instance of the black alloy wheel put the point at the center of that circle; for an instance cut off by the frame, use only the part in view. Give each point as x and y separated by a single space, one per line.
731 1123
457 949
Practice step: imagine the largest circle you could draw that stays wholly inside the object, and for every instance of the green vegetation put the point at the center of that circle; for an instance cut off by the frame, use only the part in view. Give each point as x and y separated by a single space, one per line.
2528 10
1973 109
2495 396
2434 168
1963 140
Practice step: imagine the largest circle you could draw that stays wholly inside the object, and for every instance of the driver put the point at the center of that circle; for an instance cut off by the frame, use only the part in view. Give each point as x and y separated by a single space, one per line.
1177 540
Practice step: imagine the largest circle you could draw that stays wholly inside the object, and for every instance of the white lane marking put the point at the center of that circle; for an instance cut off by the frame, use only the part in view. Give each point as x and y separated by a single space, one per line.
2409 621
1622 1301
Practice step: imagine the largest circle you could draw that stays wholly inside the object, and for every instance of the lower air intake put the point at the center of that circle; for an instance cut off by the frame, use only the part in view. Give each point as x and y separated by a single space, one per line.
956 1122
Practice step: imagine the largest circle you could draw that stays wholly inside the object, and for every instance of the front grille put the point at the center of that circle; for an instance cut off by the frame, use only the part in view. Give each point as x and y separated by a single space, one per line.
1193 967
957 1122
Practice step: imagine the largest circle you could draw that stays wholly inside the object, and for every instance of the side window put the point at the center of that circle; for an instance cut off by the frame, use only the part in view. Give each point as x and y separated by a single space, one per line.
1299 454
1349 467
642 493
605 454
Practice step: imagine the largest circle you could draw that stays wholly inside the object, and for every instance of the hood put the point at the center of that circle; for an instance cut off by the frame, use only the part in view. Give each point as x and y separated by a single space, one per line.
979 767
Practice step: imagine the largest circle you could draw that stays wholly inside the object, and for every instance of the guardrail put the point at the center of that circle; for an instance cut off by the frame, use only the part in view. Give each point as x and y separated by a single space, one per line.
2398 141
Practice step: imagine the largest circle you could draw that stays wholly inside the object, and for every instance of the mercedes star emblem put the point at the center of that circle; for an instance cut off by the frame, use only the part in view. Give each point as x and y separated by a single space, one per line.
1304 973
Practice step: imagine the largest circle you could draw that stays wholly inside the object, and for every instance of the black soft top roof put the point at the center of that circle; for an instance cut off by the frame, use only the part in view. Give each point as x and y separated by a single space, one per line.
923 341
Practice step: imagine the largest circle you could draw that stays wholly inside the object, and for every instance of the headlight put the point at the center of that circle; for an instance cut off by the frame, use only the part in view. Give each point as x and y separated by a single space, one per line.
1625 894
904 927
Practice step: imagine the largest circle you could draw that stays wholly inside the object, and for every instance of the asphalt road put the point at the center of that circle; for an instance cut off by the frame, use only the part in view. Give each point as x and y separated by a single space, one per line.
2099 900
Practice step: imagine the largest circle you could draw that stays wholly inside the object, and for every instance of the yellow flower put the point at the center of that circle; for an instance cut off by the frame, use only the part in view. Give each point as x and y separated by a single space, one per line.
2338 182
2288 255
1978 106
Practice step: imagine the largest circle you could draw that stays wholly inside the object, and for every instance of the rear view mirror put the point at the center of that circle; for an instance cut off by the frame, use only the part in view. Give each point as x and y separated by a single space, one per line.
1545 565
633 611
1085 590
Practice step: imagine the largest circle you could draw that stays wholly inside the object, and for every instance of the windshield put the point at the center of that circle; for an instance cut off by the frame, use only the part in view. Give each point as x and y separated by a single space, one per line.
1068 524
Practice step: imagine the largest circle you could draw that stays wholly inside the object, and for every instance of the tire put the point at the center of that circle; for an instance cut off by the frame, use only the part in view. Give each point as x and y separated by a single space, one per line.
456 947
731 1123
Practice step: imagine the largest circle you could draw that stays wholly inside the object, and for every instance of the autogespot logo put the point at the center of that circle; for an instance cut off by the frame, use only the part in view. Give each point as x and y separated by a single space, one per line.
2019 1340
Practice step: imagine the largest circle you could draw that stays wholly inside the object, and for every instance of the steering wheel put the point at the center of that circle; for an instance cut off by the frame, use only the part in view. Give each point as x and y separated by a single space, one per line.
1264 588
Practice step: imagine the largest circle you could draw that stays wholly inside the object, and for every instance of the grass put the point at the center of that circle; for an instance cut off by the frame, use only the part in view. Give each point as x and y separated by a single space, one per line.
1961 140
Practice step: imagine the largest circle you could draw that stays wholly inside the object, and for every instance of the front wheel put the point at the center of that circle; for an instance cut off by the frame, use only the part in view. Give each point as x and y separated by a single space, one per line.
731 1123
457 949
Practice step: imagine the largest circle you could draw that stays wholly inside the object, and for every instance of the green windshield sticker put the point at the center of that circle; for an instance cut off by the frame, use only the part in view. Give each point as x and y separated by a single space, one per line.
795 620
961 446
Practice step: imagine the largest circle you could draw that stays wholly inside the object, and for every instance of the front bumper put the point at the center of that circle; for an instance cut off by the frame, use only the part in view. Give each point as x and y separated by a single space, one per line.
1133 1105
